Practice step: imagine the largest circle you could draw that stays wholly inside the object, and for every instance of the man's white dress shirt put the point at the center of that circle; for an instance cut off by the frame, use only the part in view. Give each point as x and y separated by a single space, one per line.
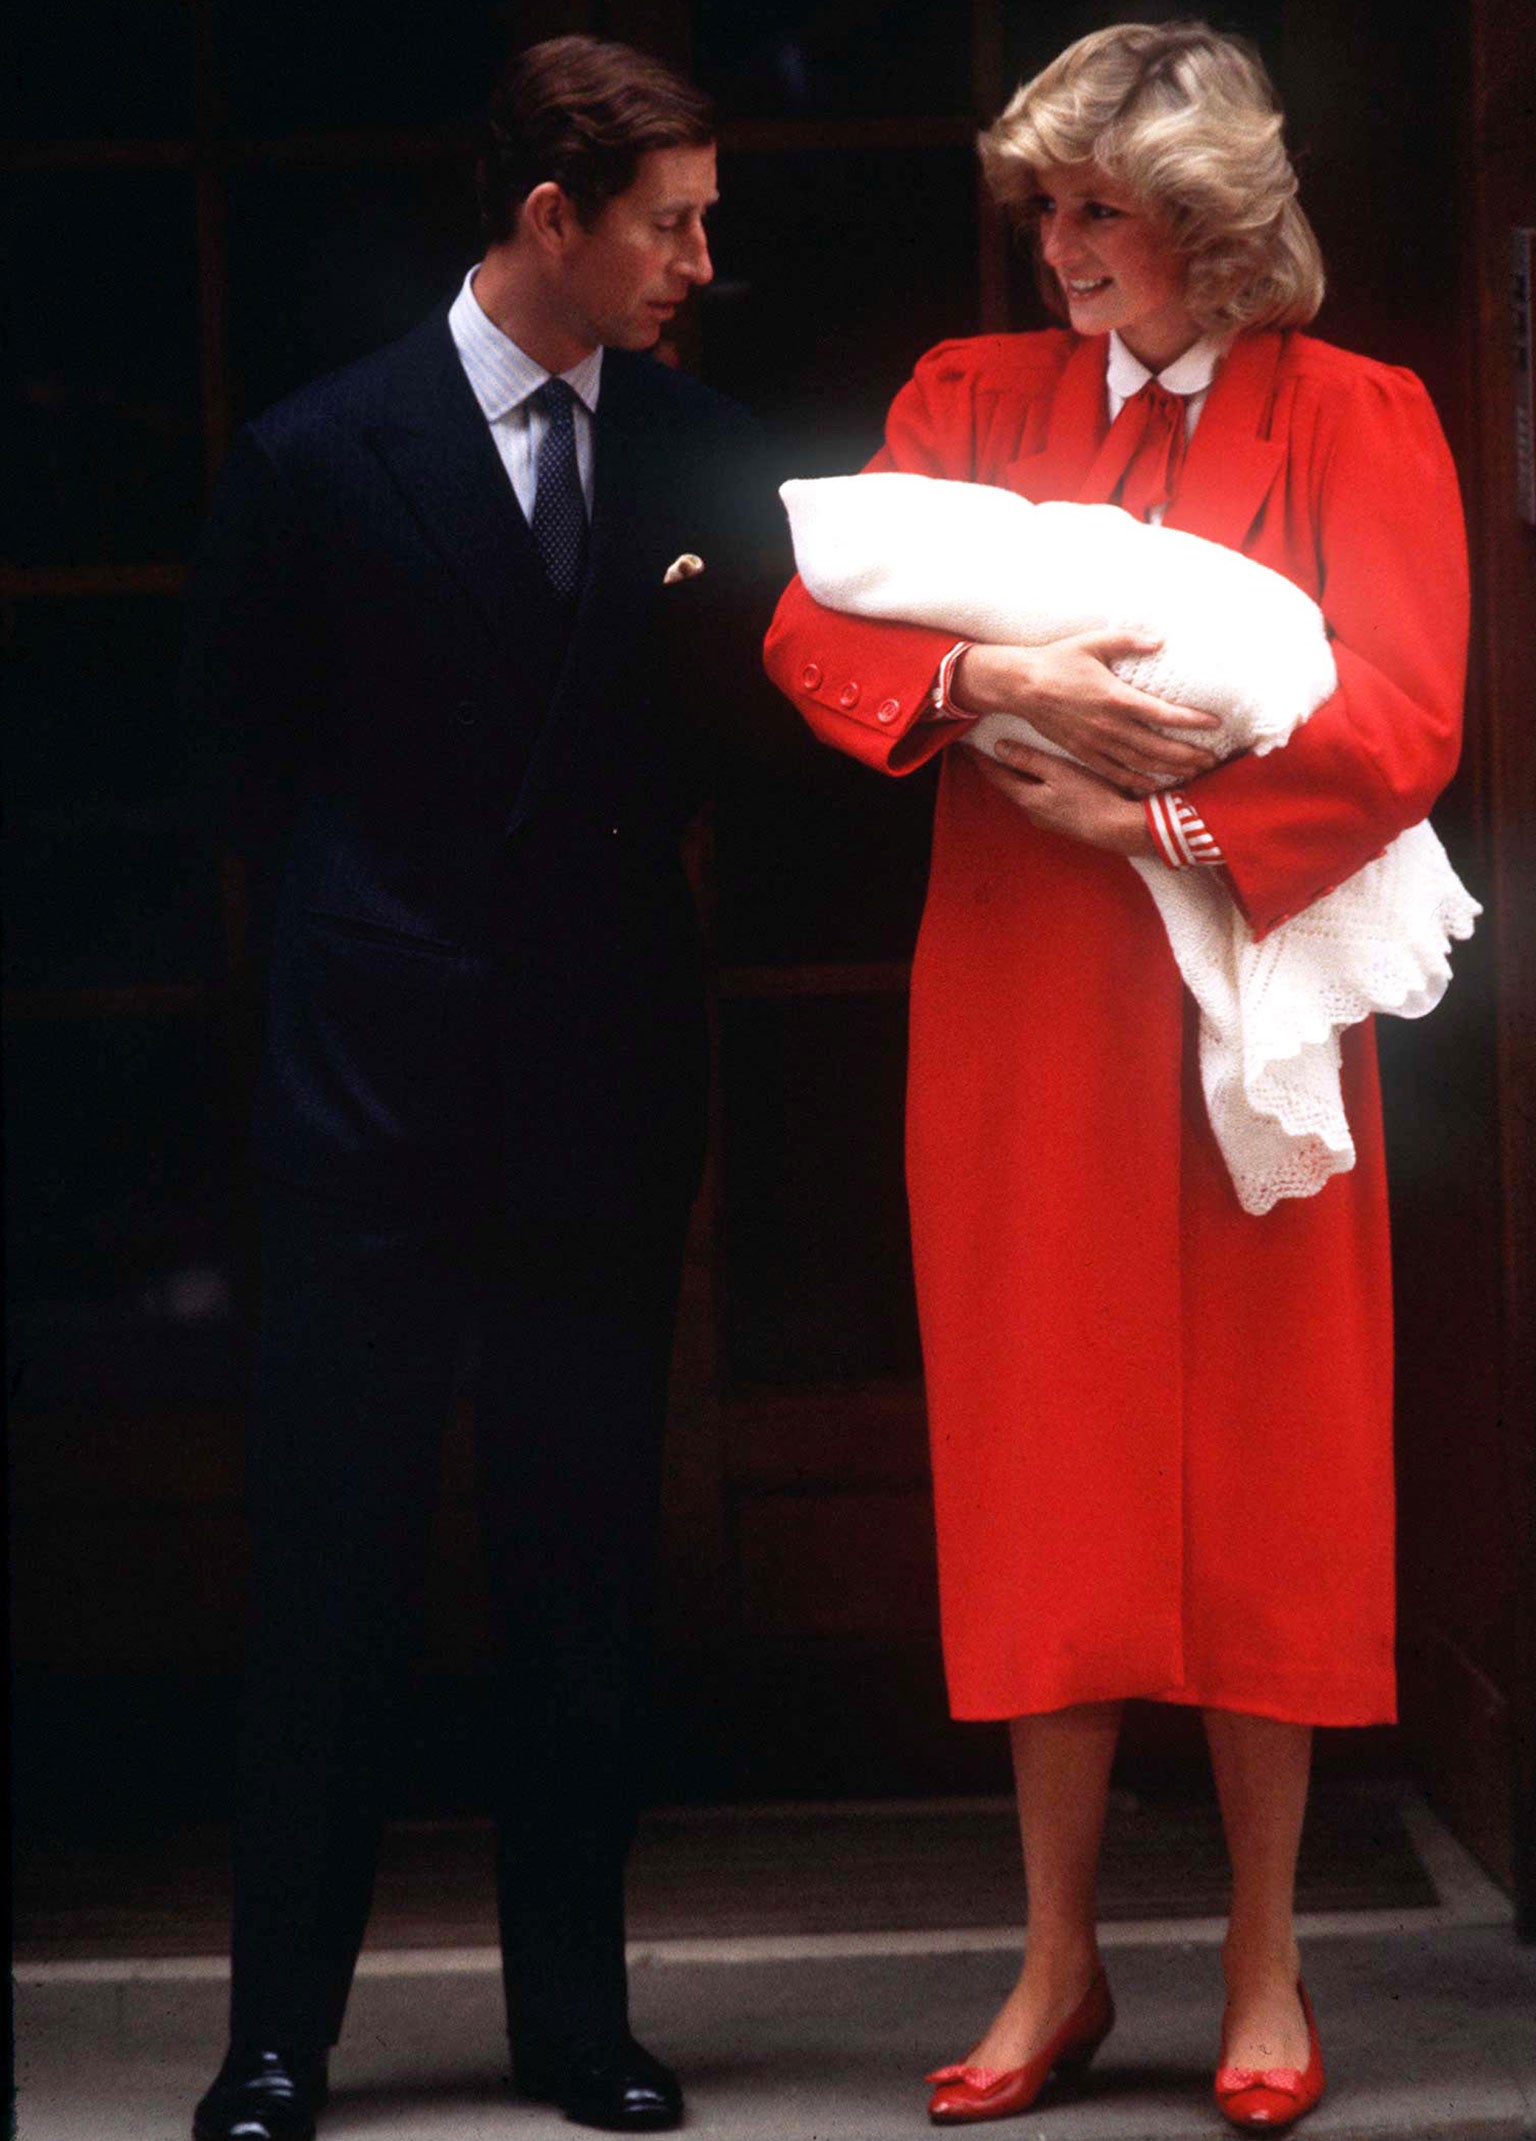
502 377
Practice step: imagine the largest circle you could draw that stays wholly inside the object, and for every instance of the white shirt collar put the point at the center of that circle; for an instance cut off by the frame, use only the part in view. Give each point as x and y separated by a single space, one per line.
502 375
1190 374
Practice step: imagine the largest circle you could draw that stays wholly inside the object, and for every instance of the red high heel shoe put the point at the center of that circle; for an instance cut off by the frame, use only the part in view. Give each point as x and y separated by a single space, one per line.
966 2093
1267 2100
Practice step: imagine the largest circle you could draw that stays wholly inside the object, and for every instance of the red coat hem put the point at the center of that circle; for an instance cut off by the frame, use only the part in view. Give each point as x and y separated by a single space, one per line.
1356 1706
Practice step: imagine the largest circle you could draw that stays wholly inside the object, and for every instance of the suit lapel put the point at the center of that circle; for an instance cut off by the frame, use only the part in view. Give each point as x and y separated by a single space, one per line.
438 448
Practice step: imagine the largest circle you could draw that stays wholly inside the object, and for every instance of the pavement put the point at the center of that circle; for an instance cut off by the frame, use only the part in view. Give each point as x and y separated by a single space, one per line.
1428 2020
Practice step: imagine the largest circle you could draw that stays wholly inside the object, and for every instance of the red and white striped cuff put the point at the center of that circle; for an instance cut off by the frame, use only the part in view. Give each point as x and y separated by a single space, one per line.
941 706
1179 831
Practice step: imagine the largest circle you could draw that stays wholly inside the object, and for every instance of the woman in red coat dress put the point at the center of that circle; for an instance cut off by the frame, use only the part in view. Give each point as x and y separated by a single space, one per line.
1161 1427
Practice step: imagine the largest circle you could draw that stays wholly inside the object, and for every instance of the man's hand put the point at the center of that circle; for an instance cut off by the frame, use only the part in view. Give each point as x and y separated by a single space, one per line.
1068 691
1062 798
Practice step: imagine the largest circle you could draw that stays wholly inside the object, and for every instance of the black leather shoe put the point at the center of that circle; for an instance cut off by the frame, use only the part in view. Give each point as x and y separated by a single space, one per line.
262 2096
622 2088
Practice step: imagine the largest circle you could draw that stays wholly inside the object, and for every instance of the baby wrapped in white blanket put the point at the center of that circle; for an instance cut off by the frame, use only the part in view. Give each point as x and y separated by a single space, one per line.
1238 641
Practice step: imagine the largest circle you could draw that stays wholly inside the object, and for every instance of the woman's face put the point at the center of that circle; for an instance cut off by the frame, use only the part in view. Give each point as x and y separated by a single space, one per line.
1116 267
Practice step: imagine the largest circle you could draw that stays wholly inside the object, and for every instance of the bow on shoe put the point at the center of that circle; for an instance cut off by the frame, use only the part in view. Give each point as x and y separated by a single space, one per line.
1271 2099
1286 2079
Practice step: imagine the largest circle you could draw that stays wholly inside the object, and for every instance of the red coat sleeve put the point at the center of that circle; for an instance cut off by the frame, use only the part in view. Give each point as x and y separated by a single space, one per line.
863 683
1374 756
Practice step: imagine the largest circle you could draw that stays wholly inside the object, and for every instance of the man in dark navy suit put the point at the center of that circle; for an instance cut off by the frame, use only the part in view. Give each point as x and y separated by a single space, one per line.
450 619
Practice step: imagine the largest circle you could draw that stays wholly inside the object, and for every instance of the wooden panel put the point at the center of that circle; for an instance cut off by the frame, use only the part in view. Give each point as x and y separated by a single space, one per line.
748 137
289 66
455 1637
103 444
98 72
116 1591
859 1563
24 582
836 268
818 861
167 1457
868 977
1458 1544
817 1283
117 1174
327 264
1378 171
140 999
1417 250
819 1718
108 892
840 1435
833 60
1459 1734
694 1591
1501 158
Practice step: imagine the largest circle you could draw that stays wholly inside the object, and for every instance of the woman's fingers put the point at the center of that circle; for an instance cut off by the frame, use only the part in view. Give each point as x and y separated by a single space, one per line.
1024 758
1118 772
1003 778
1109 761
1159 756
1043 769
1126 741
1163 711
1112 647
1067 691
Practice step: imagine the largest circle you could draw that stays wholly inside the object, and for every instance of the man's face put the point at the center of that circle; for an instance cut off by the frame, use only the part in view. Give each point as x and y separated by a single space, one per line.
623 279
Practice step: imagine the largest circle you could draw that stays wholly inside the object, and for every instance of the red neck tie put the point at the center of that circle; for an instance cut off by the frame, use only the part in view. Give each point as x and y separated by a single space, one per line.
1153 445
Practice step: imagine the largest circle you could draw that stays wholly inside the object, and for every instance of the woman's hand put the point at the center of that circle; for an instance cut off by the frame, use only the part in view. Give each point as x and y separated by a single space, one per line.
1062 798
1068 691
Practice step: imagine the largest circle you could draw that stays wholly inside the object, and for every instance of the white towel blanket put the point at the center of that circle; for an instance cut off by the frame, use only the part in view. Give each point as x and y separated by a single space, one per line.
1237 640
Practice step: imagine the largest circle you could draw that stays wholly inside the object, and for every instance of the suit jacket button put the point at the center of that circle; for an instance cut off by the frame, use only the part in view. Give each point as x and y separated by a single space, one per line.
468 712
848 696
810 676
888 709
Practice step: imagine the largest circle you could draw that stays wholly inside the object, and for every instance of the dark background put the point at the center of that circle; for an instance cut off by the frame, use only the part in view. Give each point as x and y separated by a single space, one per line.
217 201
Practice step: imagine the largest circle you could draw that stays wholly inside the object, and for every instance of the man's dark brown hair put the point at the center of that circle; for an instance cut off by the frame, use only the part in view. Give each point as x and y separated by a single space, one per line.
582 112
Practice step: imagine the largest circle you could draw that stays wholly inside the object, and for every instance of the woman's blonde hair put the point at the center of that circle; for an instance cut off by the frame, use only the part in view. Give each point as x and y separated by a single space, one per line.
1185 119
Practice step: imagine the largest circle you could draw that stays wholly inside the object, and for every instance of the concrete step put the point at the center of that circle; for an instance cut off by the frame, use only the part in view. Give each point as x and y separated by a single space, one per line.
1427 2033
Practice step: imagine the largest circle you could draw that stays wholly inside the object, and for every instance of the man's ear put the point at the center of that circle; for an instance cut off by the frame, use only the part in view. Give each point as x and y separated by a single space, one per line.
548 216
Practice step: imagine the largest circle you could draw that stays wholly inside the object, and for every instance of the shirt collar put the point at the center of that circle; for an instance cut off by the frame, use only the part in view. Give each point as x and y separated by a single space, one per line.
502 375
1190 374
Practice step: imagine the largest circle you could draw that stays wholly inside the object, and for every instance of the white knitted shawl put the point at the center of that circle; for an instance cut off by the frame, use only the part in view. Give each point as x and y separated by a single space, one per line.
1237 640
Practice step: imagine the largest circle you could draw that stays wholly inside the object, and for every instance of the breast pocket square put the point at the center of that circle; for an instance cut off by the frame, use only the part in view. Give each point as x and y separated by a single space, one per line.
687 567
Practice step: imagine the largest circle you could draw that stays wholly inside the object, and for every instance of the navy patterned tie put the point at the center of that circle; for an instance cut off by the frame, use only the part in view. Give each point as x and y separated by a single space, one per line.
559 509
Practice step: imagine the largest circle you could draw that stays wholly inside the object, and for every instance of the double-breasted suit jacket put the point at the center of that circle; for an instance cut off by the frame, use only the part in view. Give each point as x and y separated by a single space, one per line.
481 1114
431 765
1160 1427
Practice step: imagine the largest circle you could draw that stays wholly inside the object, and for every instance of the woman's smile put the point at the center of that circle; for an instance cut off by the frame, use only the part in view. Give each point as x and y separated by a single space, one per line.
1116 266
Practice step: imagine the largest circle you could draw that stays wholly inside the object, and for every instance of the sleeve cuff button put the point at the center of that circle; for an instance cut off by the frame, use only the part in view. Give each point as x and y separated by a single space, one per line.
887 710
810 676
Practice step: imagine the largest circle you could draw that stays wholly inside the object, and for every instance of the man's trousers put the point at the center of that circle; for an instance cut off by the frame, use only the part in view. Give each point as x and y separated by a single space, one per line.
364 1327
